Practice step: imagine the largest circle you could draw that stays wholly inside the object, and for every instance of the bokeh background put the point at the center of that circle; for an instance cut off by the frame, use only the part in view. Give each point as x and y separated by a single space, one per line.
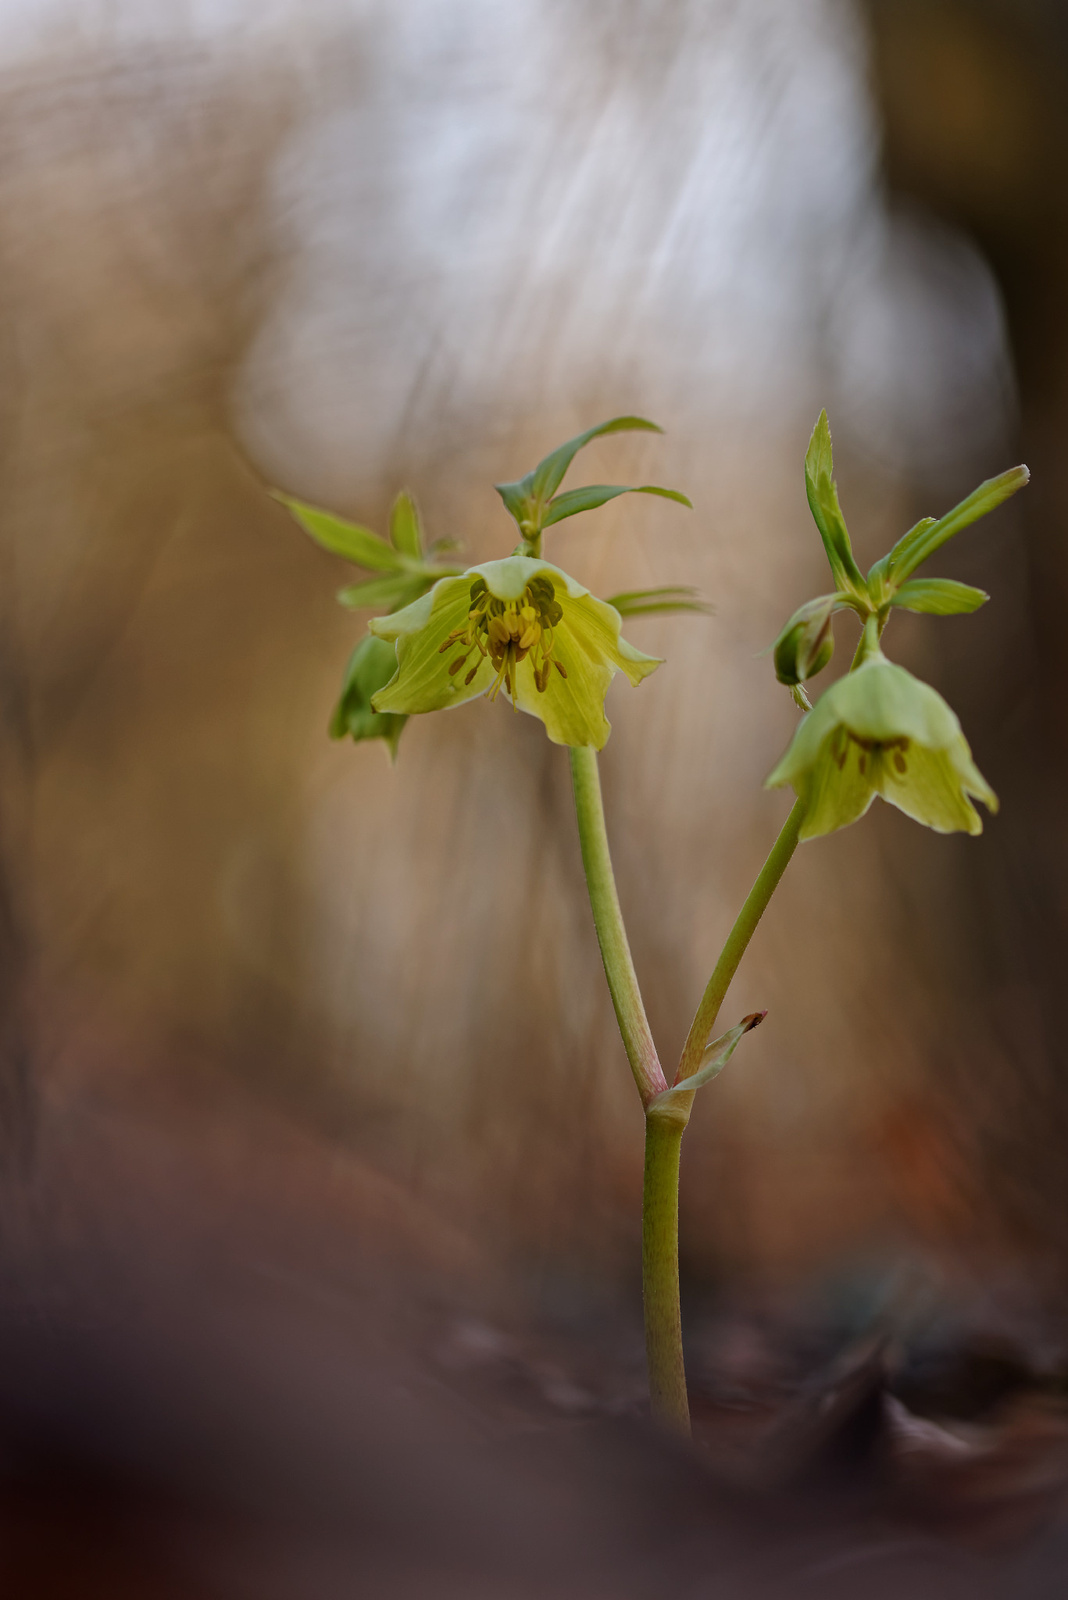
258 987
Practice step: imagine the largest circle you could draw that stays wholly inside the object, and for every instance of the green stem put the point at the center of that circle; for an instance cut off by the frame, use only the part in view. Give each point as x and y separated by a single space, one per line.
663 1129
660 1271
737 941
611 934
869 640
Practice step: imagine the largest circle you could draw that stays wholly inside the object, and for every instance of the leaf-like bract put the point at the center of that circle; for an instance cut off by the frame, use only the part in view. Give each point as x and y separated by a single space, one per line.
651 602
389 593
572 501
549 473
714 1059
939 597
527 497
405 528
822 494
357 544
921 542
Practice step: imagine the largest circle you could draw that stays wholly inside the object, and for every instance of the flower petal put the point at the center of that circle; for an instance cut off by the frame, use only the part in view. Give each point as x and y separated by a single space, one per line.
880 701
834 795
587 643
815 727
422 681
595 627
571 708
934 788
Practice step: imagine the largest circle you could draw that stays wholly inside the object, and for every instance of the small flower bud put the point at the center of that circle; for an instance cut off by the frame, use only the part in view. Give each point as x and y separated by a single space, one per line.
806 644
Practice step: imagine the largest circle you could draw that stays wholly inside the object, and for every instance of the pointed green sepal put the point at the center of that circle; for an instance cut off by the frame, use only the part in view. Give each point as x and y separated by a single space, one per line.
921 542
880 731
348 539
939 597
713 1060
370 668
572 501
822 494
657 602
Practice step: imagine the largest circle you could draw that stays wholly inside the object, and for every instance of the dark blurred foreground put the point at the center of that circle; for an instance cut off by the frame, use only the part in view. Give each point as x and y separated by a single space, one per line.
235 1361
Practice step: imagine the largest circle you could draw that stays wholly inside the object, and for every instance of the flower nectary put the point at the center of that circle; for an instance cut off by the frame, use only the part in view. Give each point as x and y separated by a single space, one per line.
507 631
873 751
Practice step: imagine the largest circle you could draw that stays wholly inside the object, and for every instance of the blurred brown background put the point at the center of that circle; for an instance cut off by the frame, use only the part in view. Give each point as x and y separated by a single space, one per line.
319 1160
345 248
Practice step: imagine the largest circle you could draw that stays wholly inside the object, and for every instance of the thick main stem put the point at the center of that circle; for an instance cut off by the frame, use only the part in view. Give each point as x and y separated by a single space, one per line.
611 934
660 1271
737 941
664 1126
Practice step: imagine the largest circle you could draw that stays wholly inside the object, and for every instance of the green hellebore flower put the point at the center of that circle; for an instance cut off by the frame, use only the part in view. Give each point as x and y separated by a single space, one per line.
879 730
521 625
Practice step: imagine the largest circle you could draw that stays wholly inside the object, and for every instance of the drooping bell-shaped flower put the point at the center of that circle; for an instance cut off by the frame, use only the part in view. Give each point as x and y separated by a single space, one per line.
881 731
519 627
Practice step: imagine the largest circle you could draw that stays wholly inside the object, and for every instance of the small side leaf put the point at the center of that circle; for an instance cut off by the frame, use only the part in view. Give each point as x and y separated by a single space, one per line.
357 544
651 602
822 494
715 1058
572 501
405 527
389 593
939 597
921 542
371 666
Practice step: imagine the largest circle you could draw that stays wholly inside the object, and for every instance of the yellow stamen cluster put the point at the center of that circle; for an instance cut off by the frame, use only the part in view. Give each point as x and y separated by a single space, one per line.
507 631
872 747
